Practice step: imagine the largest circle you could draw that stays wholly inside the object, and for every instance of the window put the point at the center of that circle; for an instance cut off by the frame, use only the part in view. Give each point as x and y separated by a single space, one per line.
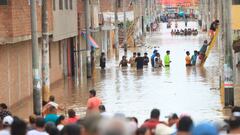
3 2
71 4
61 4
118 3
54 6
236 2
66 4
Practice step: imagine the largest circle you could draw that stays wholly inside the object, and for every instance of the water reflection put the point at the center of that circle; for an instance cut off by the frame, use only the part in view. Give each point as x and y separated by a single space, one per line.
177 88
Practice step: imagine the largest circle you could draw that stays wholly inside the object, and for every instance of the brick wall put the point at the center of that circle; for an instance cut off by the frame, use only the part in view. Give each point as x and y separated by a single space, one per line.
108 5
16 19
16 72
56 60
6 21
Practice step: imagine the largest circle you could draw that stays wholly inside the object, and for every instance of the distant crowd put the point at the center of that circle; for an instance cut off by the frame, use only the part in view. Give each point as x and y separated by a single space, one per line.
139 62
100 121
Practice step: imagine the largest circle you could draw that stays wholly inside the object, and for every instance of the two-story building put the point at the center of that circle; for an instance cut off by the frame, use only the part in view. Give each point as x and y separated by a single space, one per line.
16 46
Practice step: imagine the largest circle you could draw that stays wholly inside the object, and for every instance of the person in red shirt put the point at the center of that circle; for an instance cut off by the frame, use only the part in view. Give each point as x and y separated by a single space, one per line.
153 121
93 102
72 118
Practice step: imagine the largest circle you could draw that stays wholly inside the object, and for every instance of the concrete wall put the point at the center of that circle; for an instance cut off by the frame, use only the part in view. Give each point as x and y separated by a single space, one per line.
235 17
65 21
16 70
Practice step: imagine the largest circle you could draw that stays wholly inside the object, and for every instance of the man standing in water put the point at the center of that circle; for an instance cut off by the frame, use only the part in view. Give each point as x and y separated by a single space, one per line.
139 60
93 102
103 61
167 60
132 60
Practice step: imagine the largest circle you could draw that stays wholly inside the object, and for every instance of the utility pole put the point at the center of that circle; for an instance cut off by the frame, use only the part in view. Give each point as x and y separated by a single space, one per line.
37 101
143 16
228 64
125 29
116 31
76 77
45 53
150 16
87 20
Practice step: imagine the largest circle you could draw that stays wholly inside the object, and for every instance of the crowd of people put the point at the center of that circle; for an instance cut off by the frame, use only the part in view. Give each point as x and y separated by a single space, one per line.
184 32
139 61
99 121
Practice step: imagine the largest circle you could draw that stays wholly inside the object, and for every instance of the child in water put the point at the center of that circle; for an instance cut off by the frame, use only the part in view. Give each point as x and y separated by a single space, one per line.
188 59
123 62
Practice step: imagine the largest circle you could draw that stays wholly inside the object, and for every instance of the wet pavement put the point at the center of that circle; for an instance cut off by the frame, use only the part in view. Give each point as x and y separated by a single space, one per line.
191 90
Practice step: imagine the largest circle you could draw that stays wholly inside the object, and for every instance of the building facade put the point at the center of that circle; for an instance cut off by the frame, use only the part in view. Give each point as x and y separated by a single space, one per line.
16 46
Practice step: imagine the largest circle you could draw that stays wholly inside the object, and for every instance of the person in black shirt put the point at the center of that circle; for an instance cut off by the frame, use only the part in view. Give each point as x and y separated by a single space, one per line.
139 60
123 62
103 60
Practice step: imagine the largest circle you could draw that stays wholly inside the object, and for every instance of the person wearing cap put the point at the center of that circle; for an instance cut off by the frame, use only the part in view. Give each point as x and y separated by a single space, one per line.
7 122
205 129
4 111
93 102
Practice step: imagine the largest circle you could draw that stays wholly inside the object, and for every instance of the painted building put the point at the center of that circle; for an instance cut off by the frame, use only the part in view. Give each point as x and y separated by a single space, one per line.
16 47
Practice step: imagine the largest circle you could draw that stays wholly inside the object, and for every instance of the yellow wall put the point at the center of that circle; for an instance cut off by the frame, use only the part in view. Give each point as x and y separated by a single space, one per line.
236 17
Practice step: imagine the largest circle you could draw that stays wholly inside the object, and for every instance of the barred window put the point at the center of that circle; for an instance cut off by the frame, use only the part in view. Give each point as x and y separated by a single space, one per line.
61 4
66 4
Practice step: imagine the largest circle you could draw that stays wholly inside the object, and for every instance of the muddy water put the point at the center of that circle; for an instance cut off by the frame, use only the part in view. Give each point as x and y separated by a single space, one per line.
192 90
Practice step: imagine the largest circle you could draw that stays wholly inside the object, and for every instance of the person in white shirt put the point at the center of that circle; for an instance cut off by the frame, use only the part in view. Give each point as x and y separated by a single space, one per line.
157 61
39 128
7 122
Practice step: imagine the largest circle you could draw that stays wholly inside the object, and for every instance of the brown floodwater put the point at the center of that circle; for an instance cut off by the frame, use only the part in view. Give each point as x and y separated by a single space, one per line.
180 89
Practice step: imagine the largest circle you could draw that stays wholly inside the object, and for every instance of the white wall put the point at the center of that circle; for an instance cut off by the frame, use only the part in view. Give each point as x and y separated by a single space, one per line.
65 21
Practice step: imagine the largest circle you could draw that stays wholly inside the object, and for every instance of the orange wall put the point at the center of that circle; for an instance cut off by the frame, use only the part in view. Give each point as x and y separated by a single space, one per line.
236 17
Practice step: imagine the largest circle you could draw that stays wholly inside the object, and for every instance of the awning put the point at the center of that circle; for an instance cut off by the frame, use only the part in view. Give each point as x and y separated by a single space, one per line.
92 42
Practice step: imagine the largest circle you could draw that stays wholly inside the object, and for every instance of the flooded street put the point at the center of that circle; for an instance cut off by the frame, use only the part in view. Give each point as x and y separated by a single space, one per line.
192 90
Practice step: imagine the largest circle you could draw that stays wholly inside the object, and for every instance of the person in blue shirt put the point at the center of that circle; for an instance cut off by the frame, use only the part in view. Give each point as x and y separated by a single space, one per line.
153 56
194 58
52 115
145 59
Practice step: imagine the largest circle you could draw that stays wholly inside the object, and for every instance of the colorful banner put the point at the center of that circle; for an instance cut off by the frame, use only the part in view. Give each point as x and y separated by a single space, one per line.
92 42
